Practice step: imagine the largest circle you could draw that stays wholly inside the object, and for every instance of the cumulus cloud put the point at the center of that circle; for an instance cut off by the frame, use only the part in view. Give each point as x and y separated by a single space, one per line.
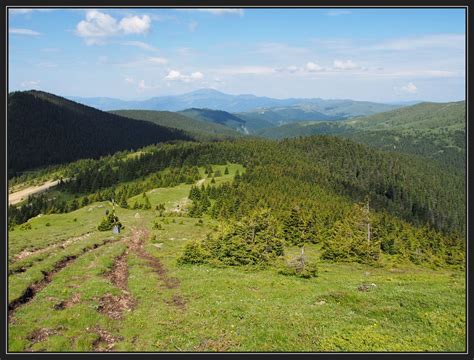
175 75
27 32
135 24
313 67
98 26
409 88
292 68
345 65
197 75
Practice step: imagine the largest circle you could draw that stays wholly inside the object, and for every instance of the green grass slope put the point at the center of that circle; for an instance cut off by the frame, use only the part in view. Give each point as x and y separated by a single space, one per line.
174 307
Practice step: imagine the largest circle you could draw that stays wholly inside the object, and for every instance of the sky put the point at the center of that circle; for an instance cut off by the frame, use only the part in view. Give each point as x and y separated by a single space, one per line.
383 55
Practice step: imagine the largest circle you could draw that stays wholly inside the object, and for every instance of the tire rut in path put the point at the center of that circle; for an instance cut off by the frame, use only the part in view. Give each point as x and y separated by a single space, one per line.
114 306
32 290
137 245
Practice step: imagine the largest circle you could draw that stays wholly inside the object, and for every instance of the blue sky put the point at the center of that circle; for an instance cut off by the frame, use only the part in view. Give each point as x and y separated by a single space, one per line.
362 54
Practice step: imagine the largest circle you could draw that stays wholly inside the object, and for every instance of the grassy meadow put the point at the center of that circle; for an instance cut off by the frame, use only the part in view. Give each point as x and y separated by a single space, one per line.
126 292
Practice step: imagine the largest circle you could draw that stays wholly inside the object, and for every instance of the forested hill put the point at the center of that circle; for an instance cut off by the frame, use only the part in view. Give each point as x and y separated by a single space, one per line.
433 130
199 129
45 129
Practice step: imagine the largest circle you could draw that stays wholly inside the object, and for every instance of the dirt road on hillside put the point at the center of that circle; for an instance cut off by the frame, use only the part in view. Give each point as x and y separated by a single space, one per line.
21 195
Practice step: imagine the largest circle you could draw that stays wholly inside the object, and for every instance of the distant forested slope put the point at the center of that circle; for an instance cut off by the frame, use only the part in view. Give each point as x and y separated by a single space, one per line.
433 130
45 129
199 129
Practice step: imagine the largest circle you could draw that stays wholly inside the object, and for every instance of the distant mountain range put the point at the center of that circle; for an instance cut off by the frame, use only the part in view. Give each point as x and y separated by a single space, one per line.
47 129
307 109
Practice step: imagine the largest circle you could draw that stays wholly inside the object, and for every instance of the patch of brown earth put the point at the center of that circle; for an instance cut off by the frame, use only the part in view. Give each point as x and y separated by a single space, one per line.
137 246
105 341
40 335
112 305
119 273
115 306
76 297
178 301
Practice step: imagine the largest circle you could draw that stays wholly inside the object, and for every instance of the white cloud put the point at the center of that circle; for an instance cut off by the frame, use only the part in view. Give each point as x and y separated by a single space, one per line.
30 84
197 75
135 24
345 65
98 26
175 75
313 67
140 44
217 11
141 85
192 26
27 32
409 88
292 68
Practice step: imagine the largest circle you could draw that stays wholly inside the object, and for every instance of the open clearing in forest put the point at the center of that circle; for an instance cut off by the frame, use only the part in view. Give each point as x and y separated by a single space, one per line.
18 196
125 292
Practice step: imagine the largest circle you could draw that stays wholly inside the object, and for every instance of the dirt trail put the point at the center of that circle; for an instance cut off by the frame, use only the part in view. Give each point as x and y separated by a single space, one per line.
114 306
137 245
36 287
21 195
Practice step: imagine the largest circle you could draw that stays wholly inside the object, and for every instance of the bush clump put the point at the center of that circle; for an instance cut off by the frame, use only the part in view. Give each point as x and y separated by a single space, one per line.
300 267
109 221
255 240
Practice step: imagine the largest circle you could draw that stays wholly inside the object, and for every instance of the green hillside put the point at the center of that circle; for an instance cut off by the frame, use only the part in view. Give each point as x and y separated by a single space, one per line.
315 110
197 128
45 129
216 233
435 131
